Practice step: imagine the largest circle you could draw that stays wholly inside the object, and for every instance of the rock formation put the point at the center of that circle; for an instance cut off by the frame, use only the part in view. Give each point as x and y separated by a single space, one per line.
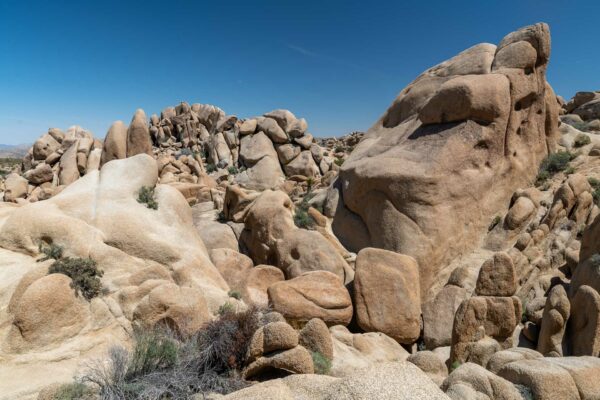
430 175
448 253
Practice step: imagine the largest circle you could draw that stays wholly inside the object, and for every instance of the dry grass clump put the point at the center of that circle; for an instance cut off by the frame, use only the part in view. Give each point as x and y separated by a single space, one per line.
165 365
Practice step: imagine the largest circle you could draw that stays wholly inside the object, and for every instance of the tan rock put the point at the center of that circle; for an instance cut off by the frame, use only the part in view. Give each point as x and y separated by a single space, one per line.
519 213
361 351
300 251
69 171
479 383
49 311
303 165
481 317
270 127
181 308
45 146
284 118
546 380
287 152
278 336
497 276
256 283
318 294
554 322
232 265
296 361
476 97
115 143
584 324
504 357
431 364
254 147
138 135
15 187
430 191
315 337
297 128
385 295
438 316
248 127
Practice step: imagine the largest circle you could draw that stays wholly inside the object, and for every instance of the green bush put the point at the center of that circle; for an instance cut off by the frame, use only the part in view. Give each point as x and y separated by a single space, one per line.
225 308
581 140
74 391
302 218
84 274
553 164
210 168
454 365
235 294
339 149
595 183
154 350
233 170
51 252
581 126
494 222
146 196
339 161
321 363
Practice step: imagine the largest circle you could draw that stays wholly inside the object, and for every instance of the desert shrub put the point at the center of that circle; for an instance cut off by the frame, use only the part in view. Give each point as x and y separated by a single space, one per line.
163 365
235 294
309 184
321 363
338 161
146 196
595 183
224 341
74 391
154 351
302 218
233 170
581 126
339 149
581 140
51 252
494 222
186 151
524 391
210 168
552 164
569 170
84 273
454 365
225 308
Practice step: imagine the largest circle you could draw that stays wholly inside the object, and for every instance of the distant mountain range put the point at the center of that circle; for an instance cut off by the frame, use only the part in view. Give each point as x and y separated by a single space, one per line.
14 150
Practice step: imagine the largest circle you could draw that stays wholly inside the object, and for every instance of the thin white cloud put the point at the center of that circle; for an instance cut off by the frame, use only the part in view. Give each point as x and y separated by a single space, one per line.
309 53
302 50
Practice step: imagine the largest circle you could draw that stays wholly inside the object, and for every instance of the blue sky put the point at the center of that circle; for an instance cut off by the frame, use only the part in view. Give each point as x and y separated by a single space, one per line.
339 64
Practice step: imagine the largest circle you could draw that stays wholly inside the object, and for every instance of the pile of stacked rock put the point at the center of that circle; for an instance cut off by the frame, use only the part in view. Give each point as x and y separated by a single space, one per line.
56 160
199 149
583 111
258 152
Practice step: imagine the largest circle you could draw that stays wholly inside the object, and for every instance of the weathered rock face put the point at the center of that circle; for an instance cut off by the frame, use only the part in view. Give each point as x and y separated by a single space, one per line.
430 175
272 238
386 295
156 269
318 294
